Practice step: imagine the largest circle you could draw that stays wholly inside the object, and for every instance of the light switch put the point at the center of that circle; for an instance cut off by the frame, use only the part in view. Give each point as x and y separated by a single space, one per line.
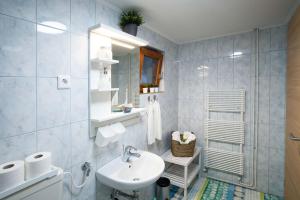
63 82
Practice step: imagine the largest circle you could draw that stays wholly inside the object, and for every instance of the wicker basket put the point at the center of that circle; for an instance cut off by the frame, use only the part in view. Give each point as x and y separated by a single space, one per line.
183 150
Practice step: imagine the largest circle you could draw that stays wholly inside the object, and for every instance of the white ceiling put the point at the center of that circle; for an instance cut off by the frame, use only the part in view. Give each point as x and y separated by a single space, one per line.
189 20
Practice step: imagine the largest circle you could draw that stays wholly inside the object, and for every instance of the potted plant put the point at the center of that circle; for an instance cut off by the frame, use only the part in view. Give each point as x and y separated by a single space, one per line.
130 20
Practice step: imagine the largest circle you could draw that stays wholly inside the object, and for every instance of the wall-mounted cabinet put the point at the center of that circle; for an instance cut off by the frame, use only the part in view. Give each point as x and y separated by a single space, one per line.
113 76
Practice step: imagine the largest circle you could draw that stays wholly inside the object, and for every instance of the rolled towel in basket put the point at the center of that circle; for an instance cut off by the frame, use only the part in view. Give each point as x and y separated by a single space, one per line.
188 136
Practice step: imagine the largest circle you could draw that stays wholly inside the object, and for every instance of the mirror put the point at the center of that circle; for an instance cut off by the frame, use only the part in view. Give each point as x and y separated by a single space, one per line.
150 67
124 75
113 77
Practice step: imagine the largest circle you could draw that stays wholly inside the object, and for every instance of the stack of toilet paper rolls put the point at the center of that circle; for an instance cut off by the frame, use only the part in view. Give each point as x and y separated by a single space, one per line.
14 173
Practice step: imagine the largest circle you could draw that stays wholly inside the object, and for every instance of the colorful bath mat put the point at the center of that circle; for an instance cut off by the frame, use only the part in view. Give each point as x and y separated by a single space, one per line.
217 190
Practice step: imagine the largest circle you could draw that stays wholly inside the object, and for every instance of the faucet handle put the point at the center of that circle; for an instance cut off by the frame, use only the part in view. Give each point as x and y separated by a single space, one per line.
129 148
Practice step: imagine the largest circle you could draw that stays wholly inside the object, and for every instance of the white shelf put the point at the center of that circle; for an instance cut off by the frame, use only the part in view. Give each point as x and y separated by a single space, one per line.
117 34
182 170
176 174
115 115
106 90
53 172
184 161
125 118
105 61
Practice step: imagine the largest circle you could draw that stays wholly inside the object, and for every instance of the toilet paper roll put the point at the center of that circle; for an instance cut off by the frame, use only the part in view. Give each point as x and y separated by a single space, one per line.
37 164
11 174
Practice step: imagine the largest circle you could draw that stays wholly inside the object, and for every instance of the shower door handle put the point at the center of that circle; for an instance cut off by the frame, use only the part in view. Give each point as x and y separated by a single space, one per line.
292 137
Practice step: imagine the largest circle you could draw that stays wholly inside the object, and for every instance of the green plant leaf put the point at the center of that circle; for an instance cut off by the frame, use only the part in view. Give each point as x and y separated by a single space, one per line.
130 16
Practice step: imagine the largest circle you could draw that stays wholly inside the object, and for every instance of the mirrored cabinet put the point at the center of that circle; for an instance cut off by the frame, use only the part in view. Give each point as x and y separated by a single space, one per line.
114 77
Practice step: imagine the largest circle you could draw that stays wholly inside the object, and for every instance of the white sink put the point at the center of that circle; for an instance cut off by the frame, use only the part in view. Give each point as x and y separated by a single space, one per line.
139 173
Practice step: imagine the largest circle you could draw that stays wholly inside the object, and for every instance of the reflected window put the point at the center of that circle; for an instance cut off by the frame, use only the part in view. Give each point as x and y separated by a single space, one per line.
150 67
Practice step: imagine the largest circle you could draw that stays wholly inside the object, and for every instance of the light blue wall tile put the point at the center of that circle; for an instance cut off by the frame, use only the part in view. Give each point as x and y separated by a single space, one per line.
19 8
82 15
225 68
53 54
225 46
83 147
264 137
195 108
57 141
108 14
79 56
276 184
53 105
18 47
264 100
279 38
244 43
264 40
198 50
183 123
264 67
277 136
276 160
210 48
278 63
242 72
184 88
54 11
262 181
277 103
196 72
262 169
108 153
17 106
210 74
17 148
79 99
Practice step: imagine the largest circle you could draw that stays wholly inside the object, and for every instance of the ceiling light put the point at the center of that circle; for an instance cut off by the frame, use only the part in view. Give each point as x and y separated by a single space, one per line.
122 44
119 35
51 27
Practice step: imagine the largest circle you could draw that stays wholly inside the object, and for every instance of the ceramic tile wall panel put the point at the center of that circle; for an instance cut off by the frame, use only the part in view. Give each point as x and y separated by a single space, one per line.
36 116
58 12
18 106
58 47
18 8
211 65
18 47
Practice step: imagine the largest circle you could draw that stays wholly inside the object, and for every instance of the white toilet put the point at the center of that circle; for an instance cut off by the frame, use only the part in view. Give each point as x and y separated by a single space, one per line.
49 189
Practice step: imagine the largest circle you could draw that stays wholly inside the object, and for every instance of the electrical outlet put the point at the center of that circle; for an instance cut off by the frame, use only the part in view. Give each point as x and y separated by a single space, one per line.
63 82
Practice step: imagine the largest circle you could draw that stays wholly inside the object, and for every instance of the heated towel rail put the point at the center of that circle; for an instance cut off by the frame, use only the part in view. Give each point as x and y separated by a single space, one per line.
221 131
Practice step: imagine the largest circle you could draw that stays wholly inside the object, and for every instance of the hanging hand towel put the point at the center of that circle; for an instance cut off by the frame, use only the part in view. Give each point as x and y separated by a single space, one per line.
157 120
150 133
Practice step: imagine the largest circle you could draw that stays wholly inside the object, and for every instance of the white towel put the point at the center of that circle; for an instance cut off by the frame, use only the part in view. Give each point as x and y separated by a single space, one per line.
150 133
157 121
189 135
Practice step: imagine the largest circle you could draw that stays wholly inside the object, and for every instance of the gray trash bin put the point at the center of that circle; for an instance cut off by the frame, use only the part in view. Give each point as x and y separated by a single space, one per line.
162 189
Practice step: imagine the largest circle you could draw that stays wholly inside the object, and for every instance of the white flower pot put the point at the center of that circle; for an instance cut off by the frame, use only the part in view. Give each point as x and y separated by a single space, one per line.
152 90
145 90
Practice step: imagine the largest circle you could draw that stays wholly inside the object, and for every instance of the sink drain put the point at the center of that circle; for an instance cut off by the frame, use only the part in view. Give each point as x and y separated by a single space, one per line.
136 179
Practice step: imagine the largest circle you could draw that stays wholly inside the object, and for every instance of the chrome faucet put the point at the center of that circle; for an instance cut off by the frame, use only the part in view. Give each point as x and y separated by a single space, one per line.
127 153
